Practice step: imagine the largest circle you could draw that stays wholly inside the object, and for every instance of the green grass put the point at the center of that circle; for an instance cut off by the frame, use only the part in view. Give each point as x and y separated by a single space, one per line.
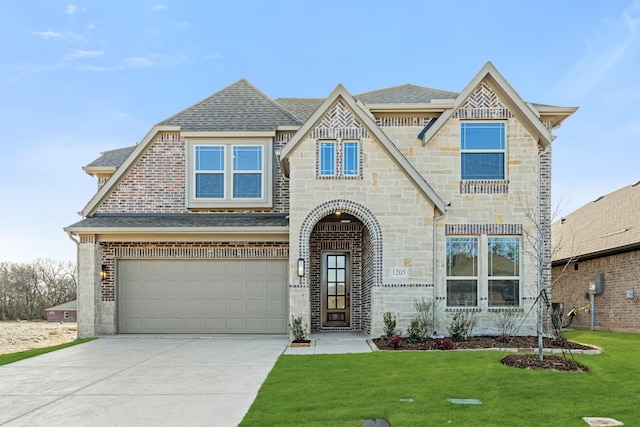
342 390
14 357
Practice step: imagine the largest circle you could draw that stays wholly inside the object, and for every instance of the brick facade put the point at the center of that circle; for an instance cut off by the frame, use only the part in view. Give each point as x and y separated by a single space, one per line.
613 310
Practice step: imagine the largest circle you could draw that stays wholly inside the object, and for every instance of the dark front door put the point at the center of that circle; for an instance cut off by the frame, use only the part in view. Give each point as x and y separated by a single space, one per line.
336 273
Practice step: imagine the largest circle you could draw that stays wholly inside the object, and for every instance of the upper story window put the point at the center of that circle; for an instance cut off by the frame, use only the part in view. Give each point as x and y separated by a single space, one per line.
482 145
339 159
229 173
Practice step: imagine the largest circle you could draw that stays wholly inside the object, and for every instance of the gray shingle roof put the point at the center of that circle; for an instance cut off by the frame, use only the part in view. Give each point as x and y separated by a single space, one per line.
112 157
608 224
239 106
405 94
302 108
105 220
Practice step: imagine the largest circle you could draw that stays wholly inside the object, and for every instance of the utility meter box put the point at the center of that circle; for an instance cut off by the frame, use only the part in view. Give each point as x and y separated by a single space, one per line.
599 283
597 286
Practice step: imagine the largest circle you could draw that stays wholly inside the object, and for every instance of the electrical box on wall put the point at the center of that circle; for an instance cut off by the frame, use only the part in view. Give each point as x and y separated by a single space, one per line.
630 294
599 283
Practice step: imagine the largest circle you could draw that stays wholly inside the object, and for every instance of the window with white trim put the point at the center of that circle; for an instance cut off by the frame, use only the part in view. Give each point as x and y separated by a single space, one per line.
504 271
462 272
483 268
229 173
339 159
482 147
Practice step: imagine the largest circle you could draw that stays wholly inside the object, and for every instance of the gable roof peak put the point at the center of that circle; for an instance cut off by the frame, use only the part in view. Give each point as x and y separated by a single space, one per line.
239 106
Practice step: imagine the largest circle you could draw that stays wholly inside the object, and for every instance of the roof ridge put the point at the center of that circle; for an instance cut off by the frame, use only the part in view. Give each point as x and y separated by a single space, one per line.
272 101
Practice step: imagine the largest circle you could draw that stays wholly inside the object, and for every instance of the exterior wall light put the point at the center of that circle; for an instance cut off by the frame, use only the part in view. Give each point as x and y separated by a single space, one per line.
103 273
300 267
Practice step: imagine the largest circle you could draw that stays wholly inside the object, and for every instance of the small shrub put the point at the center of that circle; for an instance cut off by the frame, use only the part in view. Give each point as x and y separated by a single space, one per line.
425 309
462 325
416 331
297 330
389 325
444 344
394 341
506 322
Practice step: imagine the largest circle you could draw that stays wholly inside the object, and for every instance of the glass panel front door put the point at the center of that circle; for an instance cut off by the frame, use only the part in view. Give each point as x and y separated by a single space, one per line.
335 289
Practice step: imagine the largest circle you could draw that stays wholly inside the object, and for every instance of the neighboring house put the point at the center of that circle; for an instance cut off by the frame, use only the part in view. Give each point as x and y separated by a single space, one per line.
241 211
66 312
600 242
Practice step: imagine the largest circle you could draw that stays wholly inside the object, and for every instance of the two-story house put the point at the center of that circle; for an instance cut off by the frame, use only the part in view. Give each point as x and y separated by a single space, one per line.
241 211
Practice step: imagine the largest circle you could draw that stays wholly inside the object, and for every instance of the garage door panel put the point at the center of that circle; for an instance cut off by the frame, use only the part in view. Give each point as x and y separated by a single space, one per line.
213 296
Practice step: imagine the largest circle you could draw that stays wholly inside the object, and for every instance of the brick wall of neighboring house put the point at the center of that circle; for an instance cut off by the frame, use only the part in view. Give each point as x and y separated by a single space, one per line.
61 315
613 310
156 183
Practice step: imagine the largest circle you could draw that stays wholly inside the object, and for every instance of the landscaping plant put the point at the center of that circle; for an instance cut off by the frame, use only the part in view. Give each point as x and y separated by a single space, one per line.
506 322
462 325
389 325
297 330
425 309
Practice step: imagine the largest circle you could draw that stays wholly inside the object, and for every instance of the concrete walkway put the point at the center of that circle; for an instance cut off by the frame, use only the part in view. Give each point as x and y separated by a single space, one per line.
150 380
333 343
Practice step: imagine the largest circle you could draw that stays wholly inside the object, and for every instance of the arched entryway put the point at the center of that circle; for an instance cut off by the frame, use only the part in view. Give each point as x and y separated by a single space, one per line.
341 242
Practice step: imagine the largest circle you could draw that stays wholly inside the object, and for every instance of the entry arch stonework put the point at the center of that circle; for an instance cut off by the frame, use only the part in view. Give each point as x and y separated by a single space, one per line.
372 264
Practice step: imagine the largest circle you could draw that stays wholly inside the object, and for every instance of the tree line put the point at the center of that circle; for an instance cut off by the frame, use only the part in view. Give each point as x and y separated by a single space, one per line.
27 290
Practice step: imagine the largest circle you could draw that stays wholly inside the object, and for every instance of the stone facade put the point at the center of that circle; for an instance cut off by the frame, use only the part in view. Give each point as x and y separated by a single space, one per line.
397 244
613 310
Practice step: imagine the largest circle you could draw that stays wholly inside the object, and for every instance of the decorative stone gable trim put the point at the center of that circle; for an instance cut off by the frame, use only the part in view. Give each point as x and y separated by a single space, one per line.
352 208
484 187
483 103
474 229
339 122
403 121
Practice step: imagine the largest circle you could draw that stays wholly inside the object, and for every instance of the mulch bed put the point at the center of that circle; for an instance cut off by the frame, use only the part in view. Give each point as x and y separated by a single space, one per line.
524 361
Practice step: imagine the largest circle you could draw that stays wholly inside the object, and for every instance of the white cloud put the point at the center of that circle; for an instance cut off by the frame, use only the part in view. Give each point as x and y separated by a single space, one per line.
71 9
48 34
611 46
159 6
79 54
137 62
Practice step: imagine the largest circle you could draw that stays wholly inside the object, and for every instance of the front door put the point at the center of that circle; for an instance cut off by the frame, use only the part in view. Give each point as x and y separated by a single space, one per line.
336 274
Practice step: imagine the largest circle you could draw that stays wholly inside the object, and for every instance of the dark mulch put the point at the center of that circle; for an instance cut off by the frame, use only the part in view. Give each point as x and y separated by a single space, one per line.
524 361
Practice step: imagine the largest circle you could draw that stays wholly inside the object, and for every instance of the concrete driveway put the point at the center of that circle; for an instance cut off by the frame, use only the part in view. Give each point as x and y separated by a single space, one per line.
141 380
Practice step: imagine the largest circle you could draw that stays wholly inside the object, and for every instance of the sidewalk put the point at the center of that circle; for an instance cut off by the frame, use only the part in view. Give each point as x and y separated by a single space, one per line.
333 343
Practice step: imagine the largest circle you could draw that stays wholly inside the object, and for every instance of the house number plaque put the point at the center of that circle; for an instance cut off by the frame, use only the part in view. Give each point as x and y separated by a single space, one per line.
399 273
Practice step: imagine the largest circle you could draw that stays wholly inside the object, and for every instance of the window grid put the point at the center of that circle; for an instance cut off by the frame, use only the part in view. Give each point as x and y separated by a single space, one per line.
339 159
483 152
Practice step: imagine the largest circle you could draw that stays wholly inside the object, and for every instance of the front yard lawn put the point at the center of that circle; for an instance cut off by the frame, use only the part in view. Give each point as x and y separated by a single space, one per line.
343 390
14 357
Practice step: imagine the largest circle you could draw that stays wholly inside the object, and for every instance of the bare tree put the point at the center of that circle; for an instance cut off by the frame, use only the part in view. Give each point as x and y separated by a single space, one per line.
26 290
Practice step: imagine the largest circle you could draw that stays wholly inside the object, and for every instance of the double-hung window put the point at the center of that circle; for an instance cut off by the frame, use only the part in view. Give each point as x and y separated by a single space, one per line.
209 171
339 159
462 271
229 173
482 146
504 271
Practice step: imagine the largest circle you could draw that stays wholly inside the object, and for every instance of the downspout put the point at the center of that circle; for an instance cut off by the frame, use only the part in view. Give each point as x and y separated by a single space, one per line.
77 242
433 257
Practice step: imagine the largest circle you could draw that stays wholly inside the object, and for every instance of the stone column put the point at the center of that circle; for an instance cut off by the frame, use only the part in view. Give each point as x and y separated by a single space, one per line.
89 283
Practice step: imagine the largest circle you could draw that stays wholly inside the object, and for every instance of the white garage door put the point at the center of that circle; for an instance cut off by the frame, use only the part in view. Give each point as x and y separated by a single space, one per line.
235 296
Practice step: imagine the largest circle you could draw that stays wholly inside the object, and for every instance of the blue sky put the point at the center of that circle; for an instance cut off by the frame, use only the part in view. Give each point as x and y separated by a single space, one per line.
88 76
